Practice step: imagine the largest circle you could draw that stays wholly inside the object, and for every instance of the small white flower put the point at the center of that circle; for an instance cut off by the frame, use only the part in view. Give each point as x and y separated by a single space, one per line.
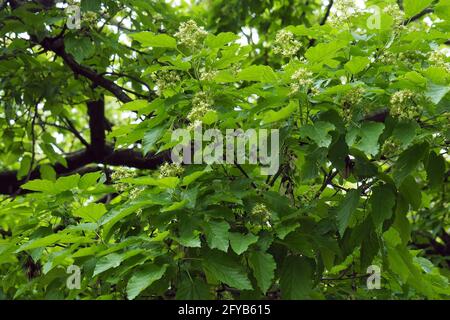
285 44
190 34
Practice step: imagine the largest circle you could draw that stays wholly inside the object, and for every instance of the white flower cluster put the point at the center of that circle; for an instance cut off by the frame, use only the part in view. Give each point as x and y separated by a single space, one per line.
403 104
387 58
439 59
261 212
285 44
165 79
343 10
302 78
119 174
395 12
190 34
170 170
201 104
353 96
390 147
208 75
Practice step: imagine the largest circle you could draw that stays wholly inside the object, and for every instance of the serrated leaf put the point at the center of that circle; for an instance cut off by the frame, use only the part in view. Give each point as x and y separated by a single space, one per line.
346 209
107 262
223 38
296 279
39 185
257 73
382 201
413 7
435 169
217 235
92 212
318 132
240 242
357 64
226 269
370 133
284 113
408 161
89 179
143 278
263 266
149 39
193 289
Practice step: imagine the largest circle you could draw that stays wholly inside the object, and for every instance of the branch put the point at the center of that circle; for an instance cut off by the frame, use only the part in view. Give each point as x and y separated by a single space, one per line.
75 161
327 13
56 45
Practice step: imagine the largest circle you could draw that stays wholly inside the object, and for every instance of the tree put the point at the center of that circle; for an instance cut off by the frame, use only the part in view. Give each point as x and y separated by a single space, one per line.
357 95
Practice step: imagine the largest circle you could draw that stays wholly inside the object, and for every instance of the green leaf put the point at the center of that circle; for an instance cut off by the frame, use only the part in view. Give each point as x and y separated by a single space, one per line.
382 201
220 40
257 73
318 132
337 153
151 137
413 7
135 105
357 64
195 289
274 116
67 183
324 52
79 48
92 212
435 169
226 269
107 262
25 166
408 162
165 183
149 39
40 185
370 133
296 279
263 266
89 179
143 278
346 209
240 242
217 235
410 190
436 92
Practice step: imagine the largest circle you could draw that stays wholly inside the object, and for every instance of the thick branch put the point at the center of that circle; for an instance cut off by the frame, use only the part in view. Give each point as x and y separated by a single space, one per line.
9 184
56 45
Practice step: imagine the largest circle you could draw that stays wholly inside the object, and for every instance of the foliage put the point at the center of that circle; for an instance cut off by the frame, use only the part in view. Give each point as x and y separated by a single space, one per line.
86 122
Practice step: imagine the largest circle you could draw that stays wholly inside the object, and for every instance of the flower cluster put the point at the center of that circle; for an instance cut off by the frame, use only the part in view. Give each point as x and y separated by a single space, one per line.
190 34
403 104
394 11
344 9
208 75
170 170
344 5
165 79
201 105
261 212
439 59
353 96
390 147
302 78
119 174
135 192
90 17
387 58
285 44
